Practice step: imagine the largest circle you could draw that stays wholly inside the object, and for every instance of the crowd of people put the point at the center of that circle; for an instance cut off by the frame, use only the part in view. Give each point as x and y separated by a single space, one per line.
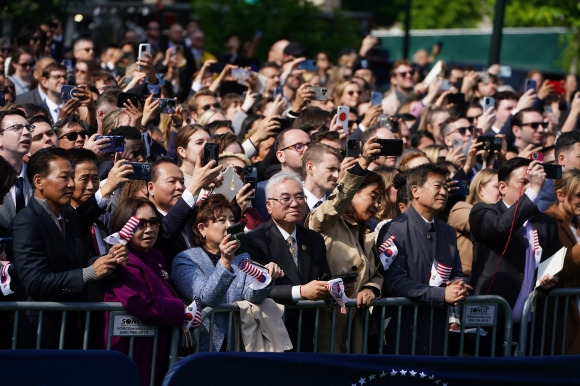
468 206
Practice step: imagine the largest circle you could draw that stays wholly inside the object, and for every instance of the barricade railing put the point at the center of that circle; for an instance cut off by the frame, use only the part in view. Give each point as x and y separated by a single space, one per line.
33 318
544 325
383 327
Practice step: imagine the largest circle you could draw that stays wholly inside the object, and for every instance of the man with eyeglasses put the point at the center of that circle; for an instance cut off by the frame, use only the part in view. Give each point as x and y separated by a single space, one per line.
300 253
53 78
529 129
15 133
48 251
289 147
70 132
37 95
84 49
200 102
402 82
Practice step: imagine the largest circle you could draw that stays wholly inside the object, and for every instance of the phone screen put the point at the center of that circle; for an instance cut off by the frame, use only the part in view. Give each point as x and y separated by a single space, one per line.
210 152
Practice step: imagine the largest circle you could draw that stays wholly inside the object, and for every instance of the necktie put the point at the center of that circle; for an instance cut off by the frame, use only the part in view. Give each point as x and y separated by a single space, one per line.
292 249
317 204
20 202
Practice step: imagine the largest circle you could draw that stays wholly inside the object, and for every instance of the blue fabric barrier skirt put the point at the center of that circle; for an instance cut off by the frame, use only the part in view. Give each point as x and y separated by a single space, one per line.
327 369
67 368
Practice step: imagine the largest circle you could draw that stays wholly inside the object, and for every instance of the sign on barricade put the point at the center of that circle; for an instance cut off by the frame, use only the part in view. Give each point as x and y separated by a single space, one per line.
127 325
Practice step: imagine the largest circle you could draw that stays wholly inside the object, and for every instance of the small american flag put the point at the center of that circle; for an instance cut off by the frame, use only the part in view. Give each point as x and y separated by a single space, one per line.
251 270
439 273
129 229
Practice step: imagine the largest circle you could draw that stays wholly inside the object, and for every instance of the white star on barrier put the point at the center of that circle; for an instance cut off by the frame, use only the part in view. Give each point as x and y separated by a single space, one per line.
383 374
413 373
403 372
362 381
422 375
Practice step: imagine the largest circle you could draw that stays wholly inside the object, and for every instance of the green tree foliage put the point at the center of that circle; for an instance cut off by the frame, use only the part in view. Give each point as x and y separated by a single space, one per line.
296 20
425 14
549 13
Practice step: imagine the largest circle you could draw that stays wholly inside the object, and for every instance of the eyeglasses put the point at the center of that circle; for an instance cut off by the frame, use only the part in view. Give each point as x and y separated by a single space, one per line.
299 147
74 135
209 106
18 127
57 77
81 71
535 125
463 130
352 92
473 119
405 73
153 222
287 200
27 64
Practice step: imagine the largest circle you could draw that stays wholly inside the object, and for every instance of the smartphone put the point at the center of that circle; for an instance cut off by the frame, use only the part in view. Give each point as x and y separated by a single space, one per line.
144 47
530 84
558 86
160 78
553 171
210 152
321 93
278 91
483 76
376 98
237 232
217 67
123 97
68 64
116 143
390 147
342 117
445 85
166 105
352 148
141 171
488 102
463 188
347 277
240 73
537 156
490 143
308 65
457 142
456 99
505 71
67 92
250 176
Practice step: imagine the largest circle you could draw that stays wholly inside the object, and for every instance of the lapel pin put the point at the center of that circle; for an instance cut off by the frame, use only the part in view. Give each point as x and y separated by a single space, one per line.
303 247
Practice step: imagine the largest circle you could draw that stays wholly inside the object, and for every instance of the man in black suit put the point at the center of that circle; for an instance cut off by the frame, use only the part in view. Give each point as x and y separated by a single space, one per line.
176 203
299 252
48 251
511 274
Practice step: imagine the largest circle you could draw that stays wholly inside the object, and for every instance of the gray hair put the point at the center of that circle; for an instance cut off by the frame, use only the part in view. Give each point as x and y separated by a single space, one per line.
279 178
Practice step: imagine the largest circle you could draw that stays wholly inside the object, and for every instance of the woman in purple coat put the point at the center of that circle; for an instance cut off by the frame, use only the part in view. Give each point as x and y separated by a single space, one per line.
143 288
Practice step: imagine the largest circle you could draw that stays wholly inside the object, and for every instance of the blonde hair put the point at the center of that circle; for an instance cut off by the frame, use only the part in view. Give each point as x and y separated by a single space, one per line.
432 152
481 178
569 183
389 211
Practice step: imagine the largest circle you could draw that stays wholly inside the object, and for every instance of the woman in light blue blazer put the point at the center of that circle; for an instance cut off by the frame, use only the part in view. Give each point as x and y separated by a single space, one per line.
210 270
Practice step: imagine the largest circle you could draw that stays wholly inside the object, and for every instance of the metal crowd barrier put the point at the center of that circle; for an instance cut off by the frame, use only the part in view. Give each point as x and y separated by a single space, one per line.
479 316
545 322
121 323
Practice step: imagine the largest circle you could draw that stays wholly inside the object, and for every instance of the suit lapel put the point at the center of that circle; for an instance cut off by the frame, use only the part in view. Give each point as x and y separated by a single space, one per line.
304 259
281 254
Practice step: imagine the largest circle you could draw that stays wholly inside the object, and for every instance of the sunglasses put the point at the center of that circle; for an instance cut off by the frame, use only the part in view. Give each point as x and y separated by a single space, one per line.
74 135
209 106
405 73
352 92
81 71
463 130
153 222
27 64
88 49
5 49
535 125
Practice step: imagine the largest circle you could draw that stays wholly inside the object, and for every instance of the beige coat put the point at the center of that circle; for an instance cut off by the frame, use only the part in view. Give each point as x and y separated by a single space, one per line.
343 250
459 220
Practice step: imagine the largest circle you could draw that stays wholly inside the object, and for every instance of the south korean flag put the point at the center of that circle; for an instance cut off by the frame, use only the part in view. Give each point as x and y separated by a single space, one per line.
387 252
